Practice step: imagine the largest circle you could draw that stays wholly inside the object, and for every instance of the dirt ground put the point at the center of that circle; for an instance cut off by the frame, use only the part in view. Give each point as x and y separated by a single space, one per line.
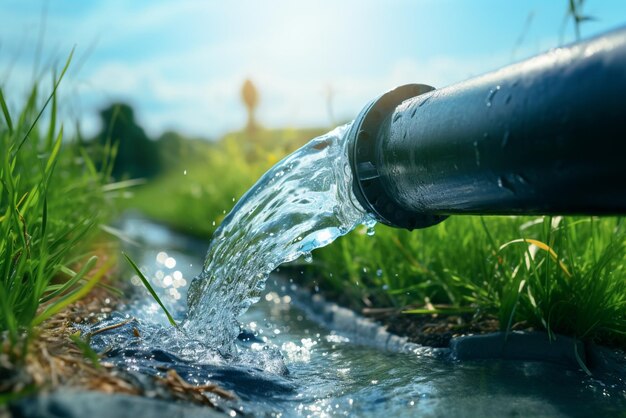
59 357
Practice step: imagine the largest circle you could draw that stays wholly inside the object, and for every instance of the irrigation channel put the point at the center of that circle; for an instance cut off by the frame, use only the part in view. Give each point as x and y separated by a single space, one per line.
293 365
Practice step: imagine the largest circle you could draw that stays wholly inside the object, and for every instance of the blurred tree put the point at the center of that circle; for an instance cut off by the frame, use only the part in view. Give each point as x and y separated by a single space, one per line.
137 155
250 97
177 150
173 148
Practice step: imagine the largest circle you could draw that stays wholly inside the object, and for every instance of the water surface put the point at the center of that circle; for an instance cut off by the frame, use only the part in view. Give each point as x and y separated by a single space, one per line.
291 366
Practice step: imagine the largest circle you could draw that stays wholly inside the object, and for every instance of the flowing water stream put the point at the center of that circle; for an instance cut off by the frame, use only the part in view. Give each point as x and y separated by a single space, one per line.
283 363
290 365
304 202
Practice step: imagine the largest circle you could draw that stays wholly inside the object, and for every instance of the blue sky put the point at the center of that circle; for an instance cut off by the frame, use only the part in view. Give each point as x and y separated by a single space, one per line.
181 63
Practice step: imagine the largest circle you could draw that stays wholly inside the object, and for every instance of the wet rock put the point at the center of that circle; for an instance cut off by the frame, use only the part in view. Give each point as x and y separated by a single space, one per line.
606 362
516 345
72 404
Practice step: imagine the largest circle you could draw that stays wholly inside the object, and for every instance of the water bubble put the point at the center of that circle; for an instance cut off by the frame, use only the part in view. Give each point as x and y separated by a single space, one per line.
519 177
184 172
505 138
379 273
308 257
167 281
370 231
423 102
170 262
477 153
503 183
491 95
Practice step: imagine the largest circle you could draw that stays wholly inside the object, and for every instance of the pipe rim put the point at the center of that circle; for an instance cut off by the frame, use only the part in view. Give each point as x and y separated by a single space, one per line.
364 138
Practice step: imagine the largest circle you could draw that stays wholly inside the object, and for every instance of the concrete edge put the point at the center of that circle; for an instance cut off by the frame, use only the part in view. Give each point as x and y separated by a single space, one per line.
515 345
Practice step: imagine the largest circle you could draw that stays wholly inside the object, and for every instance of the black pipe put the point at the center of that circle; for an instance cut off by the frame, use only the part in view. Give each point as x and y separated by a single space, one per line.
543 136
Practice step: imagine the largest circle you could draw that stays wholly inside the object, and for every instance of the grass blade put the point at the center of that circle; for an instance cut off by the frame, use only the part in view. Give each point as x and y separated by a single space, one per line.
54 154
53 118
70 283
452 310
541 246
54 90
150 289
72 297
5 110
111 289
124 184
44 217
84 346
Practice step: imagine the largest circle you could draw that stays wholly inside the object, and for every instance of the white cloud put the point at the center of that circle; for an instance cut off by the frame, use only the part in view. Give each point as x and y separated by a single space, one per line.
195 86
210 106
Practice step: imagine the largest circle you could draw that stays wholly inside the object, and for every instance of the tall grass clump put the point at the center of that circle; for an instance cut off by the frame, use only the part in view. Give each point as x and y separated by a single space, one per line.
560 274
51 200
572 281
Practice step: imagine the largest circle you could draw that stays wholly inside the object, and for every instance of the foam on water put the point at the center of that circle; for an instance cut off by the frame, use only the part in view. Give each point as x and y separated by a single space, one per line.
304 202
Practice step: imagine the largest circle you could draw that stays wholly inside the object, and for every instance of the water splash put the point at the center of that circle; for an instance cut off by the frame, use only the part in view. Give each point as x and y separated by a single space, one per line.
304 202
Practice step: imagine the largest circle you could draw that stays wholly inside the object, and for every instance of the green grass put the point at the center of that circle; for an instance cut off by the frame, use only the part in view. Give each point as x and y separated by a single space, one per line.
51 202
150 289
563 275
571 279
